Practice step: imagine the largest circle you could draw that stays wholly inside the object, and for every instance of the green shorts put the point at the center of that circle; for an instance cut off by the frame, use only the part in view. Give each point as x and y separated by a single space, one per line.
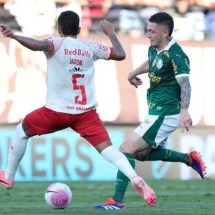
156 129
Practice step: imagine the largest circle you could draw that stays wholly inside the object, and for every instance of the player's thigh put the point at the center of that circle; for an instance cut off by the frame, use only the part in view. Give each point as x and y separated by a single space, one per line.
44 121
134 143
90 127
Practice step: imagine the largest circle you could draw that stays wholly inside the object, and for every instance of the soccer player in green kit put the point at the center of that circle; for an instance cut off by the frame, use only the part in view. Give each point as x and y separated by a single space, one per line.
168 101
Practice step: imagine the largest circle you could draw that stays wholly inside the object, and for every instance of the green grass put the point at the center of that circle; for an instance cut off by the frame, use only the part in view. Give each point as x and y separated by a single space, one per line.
174 197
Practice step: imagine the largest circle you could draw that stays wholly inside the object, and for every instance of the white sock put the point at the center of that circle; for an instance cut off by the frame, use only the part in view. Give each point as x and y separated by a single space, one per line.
16 152
119 160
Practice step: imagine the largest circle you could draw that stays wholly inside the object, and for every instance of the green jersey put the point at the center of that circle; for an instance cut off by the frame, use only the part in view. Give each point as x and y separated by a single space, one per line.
163 95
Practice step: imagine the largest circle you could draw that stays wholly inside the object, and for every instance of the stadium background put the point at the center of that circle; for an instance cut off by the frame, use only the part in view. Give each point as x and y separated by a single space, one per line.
66 156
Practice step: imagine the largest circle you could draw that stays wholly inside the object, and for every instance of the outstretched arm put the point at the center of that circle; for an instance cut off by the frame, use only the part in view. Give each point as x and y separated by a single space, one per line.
30 43
185 119
132 76
118 51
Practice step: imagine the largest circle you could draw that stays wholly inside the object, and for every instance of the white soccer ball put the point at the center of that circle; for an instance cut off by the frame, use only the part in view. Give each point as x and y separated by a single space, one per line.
58 195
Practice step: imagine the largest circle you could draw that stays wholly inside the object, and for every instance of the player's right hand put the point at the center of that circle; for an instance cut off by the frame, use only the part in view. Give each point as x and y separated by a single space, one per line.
135 81
6 31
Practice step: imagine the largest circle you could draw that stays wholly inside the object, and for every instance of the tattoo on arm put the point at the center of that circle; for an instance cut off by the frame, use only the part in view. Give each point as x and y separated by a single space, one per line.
119 52
184 83
33 44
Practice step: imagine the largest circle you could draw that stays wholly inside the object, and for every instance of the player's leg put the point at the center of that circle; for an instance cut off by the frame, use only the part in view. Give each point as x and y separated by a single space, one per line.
170 123
162 154
192 159
135 142
132 144
125 169
15 155
94 131
167 125
37 122
145 191
121 184
122 181
17 150
90 127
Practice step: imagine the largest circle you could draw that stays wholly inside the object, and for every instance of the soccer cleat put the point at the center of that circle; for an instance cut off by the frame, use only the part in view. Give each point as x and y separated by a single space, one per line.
110 204
145 191
197 164
8 184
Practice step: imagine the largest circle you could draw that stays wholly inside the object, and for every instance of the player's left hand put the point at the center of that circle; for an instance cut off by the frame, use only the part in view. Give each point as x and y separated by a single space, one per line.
107 27
185 120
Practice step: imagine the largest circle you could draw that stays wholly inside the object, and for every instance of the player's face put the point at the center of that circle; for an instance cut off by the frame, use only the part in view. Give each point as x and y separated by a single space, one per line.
157 35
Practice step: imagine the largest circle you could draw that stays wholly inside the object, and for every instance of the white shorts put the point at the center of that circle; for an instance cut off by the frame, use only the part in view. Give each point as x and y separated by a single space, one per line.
156 129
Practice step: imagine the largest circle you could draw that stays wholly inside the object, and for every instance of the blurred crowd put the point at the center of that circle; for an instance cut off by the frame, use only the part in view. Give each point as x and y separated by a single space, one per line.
194 19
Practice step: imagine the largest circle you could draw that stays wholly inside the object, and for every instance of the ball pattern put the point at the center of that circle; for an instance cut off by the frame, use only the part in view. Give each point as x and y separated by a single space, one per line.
58 195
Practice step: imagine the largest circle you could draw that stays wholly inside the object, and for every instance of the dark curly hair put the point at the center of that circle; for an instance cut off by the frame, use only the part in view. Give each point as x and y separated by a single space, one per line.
68 21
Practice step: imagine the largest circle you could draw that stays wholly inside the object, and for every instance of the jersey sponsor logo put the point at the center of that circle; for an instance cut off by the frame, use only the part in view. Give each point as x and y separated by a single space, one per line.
154 78
174 66
78 52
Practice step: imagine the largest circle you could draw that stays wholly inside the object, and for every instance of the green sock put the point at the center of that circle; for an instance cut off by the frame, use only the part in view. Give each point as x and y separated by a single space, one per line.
164 154
122 181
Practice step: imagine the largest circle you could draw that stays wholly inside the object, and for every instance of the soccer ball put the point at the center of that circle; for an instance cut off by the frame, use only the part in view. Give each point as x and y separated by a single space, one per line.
58 195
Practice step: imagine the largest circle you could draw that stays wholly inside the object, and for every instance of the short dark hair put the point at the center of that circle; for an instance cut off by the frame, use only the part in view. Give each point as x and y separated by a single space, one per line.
163 18
68 21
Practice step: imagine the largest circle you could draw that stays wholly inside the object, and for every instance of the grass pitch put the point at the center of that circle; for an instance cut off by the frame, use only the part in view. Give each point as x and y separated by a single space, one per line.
174 197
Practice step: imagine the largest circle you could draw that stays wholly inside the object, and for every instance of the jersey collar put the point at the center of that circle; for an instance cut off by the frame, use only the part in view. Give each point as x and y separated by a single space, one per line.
171 42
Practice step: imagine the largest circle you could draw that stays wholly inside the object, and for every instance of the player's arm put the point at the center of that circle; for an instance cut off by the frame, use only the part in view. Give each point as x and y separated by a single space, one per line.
185 119
132 76
30 43
118 51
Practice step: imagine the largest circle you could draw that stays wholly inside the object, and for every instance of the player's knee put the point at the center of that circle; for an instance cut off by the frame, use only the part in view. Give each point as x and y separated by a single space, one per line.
140 156
143 155
20 131
124 148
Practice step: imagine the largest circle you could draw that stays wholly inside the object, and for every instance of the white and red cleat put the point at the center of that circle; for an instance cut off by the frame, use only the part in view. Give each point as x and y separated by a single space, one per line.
8 184
145 191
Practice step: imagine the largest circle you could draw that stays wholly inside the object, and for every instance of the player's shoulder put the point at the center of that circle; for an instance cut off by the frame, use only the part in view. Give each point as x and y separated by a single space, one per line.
91 44
85 41
175 47
55 40
176 50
